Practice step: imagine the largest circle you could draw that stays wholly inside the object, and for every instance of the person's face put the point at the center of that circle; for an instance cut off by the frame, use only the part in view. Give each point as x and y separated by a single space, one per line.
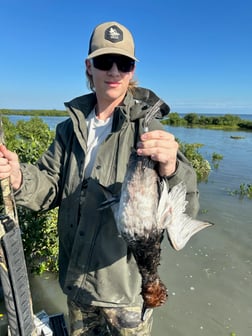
111 75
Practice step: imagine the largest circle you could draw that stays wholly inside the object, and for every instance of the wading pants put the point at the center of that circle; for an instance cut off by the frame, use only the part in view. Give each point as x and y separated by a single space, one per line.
92 320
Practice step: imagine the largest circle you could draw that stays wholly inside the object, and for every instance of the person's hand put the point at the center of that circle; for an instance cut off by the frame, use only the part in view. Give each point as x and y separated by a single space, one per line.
162 147
10 167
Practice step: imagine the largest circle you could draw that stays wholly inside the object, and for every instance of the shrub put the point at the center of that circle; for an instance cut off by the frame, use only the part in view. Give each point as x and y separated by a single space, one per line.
201 166
29 139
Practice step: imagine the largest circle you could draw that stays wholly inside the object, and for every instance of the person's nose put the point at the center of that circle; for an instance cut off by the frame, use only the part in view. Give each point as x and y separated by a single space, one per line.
114 69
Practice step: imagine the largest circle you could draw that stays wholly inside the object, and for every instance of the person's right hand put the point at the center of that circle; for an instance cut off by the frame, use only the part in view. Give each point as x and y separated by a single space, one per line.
10 167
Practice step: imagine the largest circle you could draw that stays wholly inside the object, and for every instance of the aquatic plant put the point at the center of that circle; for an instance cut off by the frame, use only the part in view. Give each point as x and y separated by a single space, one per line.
216 158
245 190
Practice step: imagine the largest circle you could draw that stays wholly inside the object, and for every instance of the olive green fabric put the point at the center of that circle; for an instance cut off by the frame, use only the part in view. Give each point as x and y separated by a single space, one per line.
95 266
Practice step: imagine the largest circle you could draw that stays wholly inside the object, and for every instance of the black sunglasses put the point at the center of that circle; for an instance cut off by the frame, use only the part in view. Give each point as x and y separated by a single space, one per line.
105 62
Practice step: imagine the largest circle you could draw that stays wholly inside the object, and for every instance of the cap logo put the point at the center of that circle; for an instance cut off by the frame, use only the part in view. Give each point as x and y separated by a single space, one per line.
113 34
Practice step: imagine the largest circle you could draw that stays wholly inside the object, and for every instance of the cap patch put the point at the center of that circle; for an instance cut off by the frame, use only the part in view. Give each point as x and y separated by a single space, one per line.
113 34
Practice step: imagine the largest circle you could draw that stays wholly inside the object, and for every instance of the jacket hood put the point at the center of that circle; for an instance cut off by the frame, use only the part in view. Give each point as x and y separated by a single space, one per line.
144 100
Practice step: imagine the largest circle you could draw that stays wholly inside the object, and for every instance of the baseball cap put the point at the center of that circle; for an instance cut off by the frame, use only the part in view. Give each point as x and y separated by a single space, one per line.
111 38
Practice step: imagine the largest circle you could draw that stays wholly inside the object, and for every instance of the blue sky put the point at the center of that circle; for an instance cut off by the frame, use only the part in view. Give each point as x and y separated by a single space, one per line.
195 54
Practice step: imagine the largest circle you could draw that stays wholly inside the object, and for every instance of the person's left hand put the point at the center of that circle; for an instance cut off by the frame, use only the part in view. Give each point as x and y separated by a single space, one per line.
162 147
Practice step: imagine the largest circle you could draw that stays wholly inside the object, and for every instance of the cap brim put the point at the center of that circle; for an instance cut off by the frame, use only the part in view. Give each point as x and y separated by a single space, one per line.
104 51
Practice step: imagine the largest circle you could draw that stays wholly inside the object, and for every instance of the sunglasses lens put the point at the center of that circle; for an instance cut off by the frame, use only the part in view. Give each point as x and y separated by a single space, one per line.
105 62
125 64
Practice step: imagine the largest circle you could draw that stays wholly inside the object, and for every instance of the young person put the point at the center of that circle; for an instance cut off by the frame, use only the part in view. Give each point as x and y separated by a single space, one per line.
90 152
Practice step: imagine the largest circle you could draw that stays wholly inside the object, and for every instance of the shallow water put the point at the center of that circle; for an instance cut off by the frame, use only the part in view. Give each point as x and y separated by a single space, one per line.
210 280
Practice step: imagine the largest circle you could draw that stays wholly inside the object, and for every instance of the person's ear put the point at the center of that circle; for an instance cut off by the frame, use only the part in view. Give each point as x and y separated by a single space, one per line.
88 66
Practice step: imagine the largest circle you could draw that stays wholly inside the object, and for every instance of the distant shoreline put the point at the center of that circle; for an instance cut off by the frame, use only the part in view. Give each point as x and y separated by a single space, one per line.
34 113
55 113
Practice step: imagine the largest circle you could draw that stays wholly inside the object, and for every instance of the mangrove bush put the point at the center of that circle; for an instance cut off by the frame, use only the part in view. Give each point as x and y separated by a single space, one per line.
227 121
29 139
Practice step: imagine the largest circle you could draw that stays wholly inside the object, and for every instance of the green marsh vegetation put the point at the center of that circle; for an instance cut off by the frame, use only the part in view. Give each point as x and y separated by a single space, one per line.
29 139
228 121
34 113
244 191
